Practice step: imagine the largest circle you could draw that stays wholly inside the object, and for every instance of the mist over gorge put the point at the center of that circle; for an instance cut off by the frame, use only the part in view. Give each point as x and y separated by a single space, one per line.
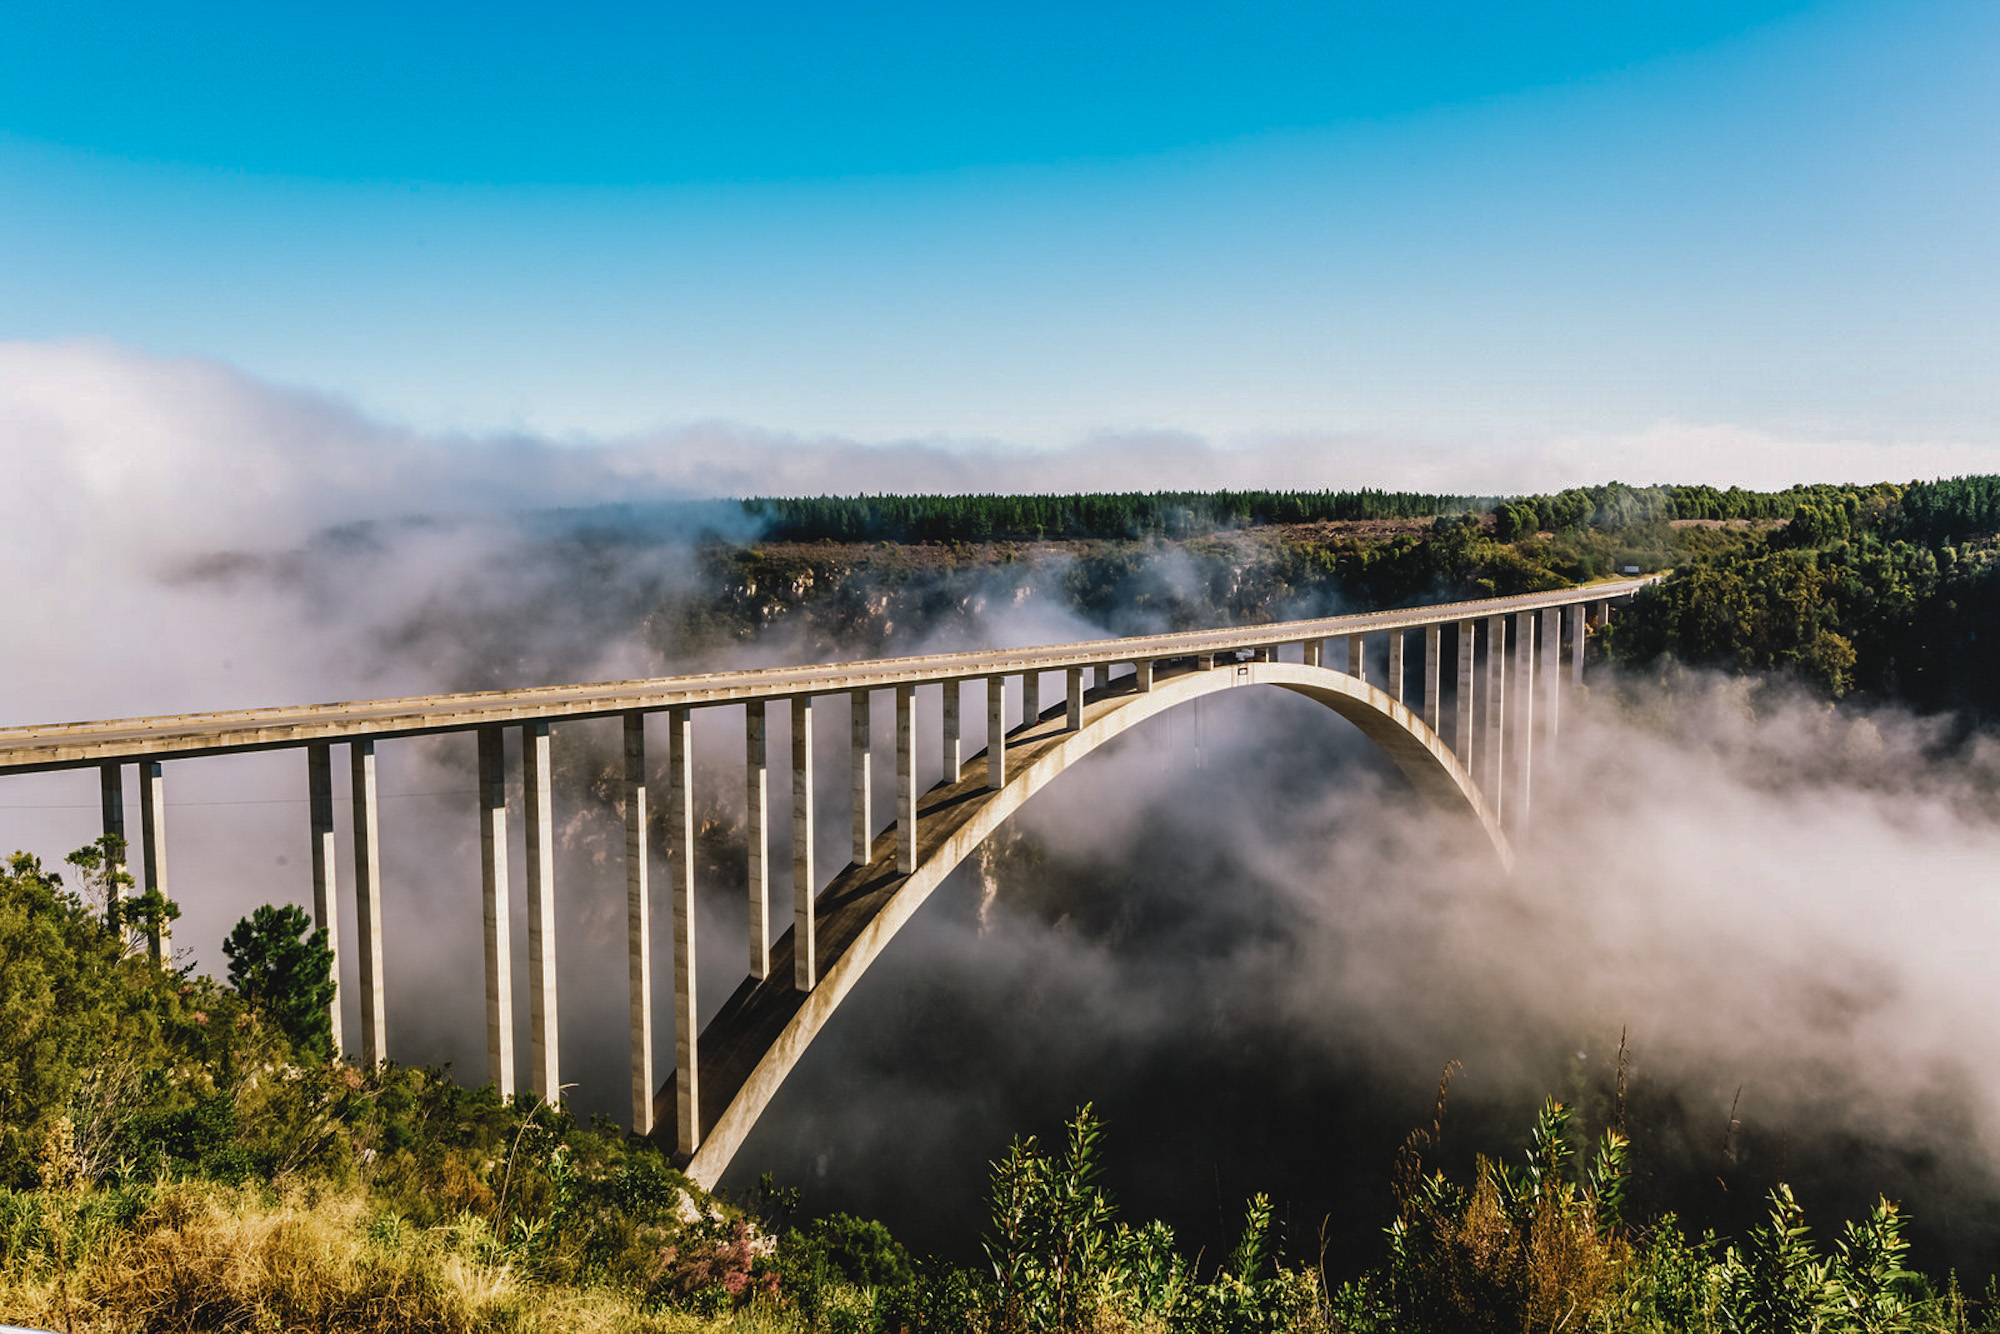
1233 932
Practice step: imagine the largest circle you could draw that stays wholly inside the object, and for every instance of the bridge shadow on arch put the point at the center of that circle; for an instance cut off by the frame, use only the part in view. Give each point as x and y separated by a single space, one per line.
758 1036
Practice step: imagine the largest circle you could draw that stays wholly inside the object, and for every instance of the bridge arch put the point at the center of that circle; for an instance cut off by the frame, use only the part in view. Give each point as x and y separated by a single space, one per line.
760 1034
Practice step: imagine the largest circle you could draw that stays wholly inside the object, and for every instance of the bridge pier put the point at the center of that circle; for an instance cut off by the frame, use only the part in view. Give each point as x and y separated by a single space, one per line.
537 789
906 779
1312 651
953 754
1574 614
1073 716
1551 678
153 850
1465 637
1031 700
111 800
1357 657
996 731
680 872
1524 720
638 926
497 906
368 903
757 825
1433 646
1396 673
111 806
861 785
1142 674
1496 712
325 878
805 960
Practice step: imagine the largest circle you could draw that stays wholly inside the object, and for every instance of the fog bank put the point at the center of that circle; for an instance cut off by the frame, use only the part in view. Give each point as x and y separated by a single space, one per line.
1255 955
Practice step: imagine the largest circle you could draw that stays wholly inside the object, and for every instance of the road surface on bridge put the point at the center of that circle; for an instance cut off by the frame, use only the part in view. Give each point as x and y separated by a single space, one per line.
78 745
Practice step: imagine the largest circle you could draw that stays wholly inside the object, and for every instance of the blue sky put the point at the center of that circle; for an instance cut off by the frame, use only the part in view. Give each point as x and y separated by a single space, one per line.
1455 225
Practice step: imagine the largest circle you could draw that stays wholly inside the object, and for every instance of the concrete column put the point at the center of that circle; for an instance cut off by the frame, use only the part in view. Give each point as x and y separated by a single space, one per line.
1104 677
1031 698
996 731
1203 662
1357 657
1074 716
757 834
368 904
1551 676
1525 691
1142 675
1311 652
497 906
1576 640
861 787
538 791
638 897
805 957
906 778
680 872
153 850
1466 637
1396 673
953 751
1523 741
326 887
1433 645
111 801
1604 613
1493 762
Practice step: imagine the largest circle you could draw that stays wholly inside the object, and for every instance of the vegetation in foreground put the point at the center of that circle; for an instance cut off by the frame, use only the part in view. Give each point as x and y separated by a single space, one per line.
177 1154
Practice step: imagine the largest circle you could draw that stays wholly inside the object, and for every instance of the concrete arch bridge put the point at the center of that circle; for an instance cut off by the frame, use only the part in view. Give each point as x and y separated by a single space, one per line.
1500 665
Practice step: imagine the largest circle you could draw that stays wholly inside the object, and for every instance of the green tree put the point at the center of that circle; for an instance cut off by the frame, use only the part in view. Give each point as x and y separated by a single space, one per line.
281 964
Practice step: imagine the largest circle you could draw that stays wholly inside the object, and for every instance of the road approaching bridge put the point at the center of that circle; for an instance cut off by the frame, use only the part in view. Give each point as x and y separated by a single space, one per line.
1508 662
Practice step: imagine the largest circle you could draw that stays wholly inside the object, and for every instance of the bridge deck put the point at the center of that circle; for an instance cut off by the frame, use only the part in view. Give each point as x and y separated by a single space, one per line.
76 745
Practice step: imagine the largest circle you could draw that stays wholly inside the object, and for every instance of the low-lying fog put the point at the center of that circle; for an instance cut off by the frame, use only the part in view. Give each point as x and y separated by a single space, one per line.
1239 936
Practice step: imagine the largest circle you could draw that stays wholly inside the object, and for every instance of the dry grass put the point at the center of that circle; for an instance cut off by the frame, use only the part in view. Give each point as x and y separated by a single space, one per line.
204 1257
